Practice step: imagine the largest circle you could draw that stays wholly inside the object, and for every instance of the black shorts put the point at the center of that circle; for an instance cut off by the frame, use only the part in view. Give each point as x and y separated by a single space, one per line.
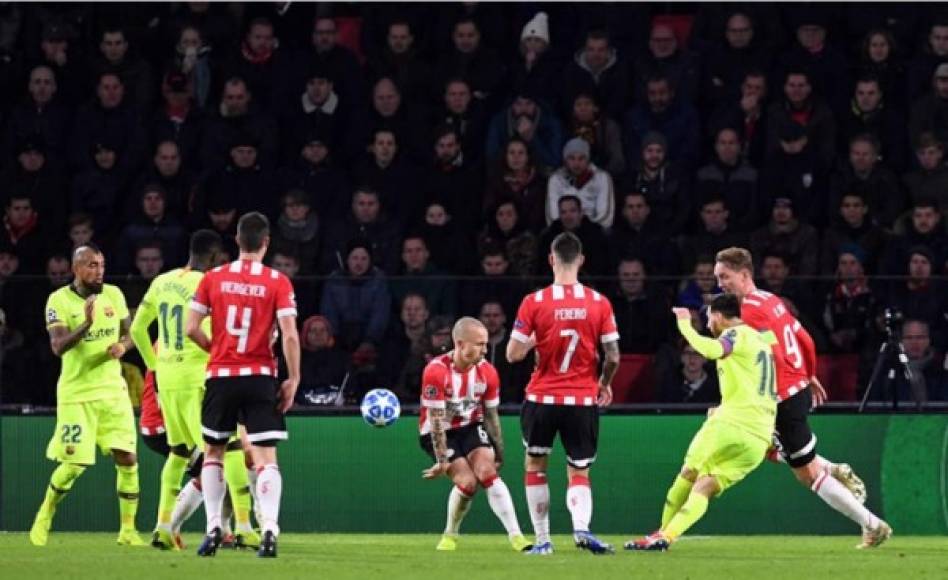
157 443
251 400
795 440
577 426
461 441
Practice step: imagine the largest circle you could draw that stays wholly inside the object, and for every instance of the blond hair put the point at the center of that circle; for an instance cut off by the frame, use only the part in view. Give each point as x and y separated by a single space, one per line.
736 259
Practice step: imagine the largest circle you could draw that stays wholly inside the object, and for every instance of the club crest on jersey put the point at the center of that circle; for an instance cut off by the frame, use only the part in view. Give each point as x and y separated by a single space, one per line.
431 391
70 449
109 311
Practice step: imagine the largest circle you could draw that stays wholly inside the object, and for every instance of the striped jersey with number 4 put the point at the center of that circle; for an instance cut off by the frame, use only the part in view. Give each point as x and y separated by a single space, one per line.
794 351
569 322
460 393
244 300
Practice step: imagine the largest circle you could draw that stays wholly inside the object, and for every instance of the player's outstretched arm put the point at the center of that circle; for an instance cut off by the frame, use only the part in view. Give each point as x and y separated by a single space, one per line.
709 348
144 316
124 343
291 352
492 425
195 332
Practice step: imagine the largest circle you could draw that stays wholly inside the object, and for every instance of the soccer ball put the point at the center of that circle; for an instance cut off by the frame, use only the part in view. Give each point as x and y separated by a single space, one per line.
380 407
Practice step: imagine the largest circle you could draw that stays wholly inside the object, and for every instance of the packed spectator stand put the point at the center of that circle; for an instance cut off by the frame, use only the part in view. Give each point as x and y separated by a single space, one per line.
417 159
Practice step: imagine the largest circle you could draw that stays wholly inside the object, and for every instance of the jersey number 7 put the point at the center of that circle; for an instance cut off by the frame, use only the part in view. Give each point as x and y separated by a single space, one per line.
573 336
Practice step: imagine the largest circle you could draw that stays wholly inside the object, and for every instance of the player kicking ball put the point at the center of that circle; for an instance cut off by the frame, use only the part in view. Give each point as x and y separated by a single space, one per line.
734 439
460 430
798 390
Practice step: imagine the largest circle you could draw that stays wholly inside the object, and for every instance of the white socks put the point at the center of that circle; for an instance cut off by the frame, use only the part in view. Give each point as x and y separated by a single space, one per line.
841 499
269 489
498 496
459 503
252 478
538 499
212 482
579 501
189 499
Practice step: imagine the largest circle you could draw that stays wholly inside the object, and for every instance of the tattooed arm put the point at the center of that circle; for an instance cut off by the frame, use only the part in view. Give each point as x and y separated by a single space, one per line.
439 442
610 365
492 426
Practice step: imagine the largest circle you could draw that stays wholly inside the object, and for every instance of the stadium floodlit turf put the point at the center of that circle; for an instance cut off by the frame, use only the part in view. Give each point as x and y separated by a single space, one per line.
390 556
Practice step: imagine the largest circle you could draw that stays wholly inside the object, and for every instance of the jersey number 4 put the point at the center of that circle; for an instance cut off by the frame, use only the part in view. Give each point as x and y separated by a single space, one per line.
242 332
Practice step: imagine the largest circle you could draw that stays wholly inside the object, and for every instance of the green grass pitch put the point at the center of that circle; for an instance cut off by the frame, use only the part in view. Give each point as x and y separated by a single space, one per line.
479 557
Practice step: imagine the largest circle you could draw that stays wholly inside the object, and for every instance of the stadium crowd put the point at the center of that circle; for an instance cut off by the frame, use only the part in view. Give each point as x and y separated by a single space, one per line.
416 160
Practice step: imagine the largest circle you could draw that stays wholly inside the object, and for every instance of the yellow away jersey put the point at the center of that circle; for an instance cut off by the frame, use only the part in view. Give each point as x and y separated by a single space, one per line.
88 372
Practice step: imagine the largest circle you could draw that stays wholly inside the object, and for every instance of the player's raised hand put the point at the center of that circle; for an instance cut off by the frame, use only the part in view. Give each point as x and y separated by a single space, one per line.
818 392
681 313
287 395
435 471
604 399
89 308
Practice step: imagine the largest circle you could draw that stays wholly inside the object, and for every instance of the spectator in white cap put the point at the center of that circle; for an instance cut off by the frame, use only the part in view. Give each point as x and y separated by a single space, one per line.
580 177
536 67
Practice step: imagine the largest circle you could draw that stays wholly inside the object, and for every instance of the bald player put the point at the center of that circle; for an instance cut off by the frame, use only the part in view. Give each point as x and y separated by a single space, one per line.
460 429
88 325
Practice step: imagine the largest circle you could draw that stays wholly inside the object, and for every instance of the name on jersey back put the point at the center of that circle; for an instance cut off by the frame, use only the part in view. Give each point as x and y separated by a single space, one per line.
255 290
569 314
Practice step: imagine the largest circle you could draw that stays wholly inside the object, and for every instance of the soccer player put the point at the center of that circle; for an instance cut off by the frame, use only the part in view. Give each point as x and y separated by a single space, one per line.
798 390
245 300
565 322
179 366
88 326
151 425
734 439
460 430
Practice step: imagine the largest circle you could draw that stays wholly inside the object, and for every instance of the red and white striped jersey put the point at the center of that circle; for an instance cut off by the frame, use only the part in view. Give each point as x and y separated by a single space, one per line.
244 300
459 392
569 322
151 421
794 351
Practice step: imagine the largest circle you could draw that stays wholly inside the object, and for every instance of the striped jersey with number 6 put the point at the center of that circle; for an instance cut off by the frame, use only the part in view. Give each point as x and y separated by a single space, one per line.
569 322
244 300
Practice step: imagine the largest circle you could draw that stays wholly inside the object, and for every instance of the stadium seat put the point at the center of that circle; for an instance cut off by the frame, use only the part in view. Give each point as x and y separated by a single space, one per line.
349 35
634 382
679 23
839 374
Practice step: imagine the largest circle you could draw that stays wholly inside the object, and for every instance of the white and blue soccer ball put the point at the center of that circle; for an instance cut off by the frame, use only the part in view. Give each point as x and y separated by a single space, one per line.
380 407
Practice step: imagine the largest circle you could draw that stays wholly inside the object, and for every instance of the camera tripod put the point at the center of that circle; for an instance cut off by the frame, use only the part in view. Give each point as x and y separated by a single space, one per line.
892 355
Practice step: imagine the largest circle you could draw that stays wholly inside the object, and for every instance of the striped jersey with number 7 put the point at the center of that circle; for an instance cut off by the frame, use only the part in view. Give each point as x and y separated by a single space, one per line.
569 322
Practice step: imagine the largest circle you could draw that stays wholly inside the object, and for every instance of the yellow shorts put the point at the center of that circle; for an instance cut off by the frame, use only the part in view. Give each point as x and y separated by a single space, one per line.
110 423
725 452
180 394
181 410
